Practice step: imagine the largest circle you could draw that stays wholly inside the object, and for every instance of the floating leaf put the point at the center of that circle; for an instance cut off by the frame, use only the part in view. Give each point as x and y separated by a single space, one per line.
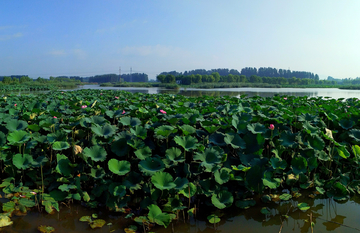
303 206
213 219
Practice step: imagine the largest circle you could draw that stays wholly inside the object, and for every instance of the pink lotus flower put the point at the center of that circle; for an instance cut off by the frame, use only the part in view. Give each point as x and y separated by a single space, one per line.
34 193
117 97
55 117
272 127
123 112
285 98
15 105
162 111
84 106
348 106
100 93
62 92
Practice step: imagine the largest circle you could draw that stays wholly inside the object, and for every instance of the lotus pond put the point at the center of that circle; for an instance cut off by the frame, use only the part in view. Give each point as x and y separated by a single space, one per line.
160 159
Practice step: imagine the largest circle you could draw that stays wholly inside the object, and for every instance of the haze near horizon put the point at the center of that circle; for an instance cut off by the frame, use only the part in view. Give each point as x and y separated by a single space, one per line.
86 38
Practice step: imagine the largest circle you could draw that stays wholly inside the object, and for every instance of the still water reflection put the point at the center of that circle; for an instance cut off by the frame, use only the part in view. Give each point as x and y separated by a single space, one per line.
263 92
327 215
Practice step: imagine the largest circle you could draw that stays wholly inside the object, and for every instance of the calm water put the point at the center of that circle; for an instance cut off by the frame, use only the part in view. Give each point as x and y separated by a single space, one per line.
327 215
263 92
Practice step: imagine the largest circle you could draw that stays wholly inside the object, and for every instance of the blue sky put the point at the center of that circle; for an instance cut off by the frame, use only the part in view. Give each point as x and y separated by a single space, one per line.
88 37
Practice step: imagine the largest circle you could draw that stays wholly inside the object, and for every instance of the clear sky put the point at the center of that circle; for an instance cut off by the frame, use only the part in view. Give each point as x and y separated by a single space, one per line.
43 38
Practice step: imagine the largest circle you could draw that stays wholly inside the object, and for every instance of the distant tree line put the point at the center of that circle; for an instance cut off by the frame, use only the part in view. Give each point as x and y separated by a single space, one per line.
249 71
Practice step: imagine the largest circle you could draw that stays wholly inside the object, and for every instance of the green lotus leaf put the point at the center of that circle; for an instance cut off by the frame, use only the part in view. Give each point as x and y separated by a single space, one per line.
136 143
139 132
96 153
109 113
213 219
266 198
105 131
217 139
2 139
143 153
98 172
60 145
303 206
133 181
175 204
287 139
310 129
278 163
58 195
18 137
128 121
285 197
164 131
355 134
57 136
163 180
16 125
186 142
320 190
22 161
338 191
119 167
316 142
8 206
150 166
174 154
299 165
120 147
211 128
98 120
156 215
209 158
97 223
342 152
307 117
85 219
271 182
245 204
234 140
181 183
187 129
67 187
222 176
5 221
265 210
346 123
119 191
222 200
257 128
191 190
313 164
63 166
254 178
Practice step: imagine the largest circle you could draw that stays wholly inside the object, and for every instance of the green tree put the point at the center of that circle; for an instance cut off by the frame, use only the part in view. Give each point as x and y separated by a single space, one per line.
6 80
198 78
25 79
161 78
216 76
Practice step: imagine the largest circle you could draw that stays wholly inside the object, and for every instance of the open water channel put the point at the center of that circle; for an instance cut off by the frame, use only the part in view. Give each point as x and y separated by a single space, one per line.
327 214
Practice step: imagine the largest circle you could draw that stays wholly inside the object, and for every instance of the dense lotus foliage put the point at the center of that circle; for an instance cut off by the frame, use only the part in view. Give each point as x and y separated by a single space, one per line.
162 154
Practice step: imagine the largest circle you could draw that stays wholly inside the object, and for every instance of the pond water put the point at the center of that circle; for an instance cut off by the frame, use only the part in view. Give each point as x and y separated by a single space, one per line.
327 215
263 92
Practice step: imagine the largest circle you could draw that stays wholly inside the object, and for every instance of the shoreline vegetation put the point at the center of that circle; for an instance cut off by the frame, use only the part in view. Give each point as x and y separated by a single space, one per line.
264 77
222 85
156 157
